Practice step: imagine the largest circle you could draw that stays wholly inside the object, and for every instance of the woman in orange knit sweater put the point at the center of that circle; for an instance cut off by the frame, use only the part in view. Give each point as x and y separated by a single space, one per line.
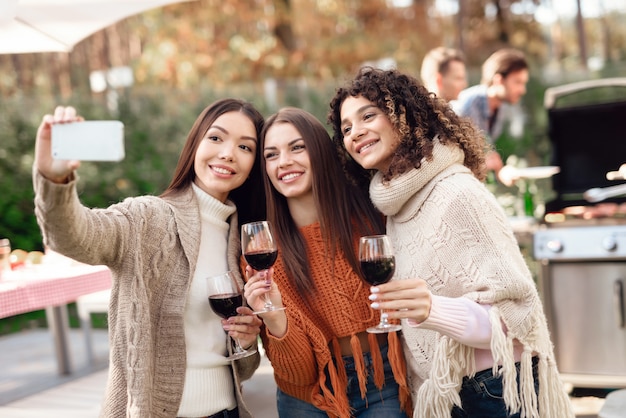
325 363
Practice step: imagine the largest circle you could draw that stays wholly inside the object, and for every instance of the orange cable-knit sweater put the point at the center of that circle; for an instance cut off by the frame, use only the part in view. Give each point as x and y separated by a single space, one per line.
341 308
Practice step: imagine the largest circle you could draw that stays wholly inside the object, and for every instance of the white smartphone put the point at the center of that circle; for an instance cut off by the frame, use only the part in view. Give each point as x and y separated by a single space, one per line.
93 140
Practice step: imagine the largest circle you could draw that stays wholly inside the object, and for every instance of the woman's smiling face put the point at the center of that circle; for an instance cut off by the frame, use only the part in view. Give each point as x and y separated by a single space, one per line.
368 135
287 161
225 155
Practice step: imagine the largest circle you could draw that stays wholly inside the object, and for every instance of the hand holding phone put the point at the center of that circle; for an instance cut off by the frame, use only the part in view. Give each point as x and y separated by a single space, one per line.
88 141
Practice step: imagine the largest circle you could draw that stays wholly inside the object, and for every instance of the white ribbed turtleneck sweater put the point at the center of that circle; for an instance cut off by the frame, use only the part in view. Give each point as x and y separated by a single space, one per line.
208 379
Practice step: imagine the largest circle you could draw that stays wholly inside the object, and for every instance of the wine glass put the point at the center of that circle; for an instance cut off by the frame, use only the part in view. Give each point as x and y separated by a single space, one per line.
225 296
377 267
260 251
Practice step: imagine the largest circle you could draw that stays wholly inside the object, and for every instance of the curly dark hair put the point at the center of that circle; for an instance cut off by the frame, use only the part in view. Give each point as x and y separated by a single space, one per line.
416 114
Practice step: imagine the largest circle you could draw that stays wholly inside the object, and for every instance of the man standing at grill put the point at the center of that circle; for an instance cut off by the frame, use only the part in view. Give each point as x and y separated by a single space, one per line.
503 83
443 72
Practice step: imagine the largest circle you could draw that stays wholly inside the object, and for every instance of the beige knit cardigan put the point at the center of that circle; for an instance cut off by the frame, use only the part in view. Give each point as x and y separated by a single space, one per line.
151 246
449 230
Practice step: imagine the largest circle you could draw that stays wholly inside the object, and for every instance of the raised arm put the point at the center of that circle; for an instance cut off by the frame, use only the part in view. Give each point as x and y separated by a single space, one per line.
58 171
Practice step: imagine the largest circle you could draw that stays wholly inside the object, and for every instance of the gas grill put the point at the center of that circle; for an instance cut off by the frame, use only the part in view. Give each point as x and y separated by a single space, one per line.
581 245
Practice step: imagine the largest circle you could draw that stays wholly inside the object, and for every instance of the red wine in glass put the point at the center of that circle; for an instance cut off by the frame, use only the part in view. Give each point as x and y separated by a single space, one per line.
377 267
260 251
226 304
225 296
378 271
261 260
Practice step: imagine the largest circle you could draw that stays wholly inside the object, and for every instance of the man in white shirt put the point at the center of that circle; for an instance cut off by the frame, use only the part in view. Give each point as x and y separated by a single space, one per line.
443 72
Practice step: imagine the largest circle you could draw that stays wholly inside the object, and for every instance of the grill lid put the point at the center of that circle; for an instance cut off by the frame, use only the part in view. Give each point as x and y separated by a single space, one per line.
588 140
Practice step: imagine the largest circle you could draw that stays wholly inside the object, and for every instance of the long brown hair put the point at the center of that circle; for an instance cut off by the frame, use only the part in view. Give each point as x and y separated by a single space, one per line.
344 211
417 116
249 196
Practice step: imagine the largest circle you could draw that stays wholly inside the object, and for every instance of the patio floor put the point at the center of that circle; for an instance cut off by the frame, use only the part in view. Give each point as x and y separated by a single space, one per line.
30 386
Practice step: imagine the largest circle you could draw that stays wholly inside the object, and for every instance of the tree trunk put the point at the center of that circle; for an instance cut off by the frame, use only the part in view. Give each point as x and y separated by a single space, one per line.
460 26
283 30
582 43
502 21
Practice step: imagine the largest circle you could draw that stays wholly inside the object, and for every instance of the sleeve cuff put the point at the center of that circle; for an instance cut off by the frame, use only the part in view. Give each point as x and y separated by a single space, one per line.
459 318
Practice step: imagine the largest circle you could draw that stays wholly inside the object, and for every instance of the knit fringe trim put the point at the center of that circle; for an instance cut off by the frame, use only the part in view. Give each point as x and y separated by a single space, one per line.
436 397
504 362
553 401
337 404
377 361
395 354
359 364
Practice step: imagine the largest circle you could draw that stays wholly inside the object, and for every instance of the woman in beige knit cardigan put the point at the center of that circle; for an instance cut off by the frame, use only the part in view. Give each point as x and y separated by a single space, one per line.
476 339
168 348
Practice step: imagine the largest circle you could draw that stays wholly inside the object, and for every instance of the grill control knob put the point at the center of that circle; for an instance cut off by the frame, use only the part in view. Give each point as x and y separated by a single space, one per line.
554 245
609 243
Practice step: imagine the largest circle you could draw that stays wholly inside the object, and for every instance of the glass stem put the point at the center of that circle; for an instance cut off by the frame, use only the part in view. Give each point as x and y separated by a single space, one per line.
238 348
268 302
384 321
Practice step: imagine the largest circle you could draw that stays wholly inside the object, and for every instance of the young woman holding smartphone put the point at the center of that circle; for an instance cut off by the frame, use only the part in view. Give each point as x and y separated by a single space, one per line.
167 348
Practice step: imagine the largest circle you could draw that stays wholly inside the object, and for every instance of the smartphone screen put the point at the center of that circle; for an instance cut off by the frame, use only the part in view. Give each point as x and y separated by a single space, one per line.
101 140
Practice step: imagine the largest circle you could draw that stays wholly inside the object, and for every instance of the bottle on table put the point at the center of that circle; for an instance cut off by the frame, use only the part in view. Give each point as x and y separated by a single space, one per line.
5 256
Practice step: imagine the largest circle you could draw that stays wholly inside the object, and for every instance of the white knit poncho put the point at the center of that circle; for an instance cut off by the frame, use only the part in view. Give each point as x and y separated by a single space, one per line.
449 230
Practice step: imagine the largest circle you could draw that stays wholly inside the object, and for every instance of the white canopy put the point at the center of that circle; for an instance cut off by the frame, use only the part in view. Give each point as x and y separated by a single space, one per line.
28 26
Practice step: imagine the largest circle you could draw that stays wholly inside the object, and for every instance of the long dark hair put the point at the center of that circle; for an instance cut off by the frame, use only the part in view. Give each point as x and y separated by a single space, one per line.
248 197
344 211
416 115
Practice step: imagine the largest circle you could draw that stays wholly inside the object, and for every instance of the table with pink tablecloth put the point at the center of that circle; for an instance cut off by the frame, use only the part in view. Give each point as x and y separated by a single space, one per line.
51 287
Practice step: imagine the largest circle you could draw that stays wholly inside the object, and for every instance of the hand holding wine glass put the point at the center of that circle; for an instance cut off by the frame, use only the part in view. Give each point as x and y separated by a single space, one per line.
378 264
225 296
260 251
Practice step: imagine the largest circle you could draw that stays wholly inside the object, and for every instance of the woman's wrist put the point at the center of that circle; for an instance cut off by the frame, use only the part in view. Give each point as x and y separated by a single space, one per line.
65 179
275 323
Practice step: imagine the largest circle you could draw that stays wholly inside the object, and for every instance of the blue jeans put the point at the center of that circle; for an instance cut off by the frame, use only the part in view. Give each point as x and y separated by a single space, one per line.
382 403
481 396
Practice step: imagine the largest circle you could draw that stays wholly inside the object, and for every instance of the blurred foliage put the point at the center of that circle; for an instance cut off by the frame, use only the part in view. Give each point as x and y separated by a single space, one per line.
156 126
27 320
17 133
156 120
220 42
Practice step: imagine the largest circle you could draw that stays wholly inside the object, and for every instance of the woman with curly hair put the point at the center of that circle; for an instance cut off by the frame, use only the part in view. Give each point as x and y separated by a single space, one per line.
475 335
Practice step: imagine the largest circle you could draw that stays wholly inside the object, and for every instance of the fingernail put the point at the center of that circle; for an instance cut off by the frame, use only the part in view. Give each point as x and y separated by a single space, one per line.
226 327
374 290
262 274
373 297
375 305
384 315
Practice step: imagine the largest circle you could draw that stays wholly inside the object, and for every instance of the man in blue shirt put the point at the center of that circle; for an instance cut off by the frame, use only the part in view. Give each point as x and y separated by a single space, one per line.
503 83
